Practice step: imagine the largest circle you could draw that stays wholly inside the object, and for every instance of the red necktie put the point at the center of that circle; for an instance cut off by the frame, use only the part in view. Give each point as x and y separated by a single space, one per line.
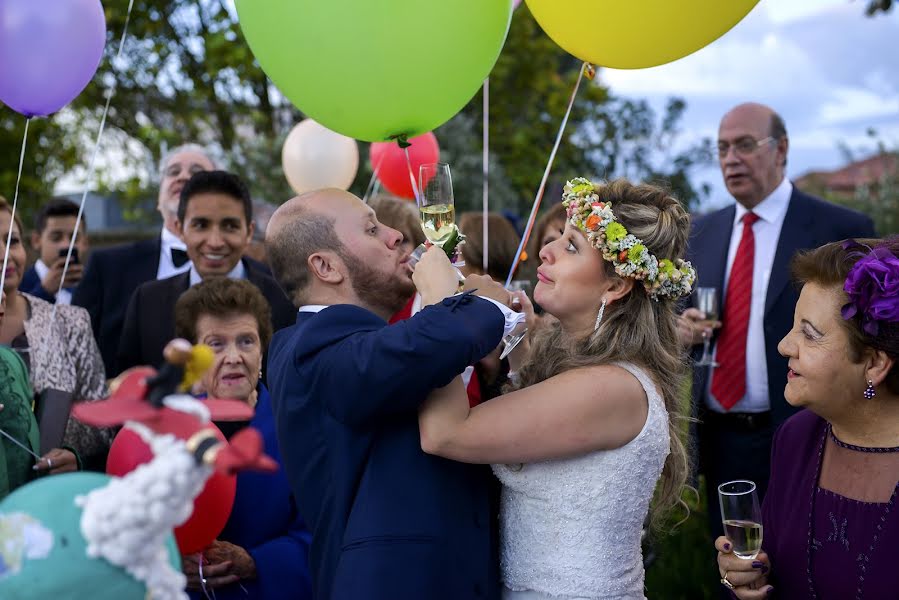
729 379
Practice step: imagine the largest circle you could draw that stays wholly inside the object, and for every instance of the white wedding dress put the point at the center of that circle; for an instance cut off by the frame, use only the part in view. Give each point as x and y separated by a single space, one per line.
571 528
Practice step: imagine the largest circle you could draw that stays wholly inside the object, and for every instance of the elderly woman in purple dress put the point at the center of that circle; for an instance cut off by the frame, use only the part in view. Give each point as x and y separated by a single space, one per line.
830 516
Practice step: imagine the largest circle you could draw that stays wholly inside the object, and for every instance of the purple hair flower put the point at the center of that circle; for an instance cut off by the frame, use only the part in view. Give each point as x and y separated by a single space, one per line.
873 287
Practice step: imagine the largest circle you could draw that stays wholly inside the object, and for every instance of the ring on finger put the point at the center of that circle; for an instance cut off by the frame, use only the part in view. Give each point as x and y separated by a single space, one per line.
49 463
726 583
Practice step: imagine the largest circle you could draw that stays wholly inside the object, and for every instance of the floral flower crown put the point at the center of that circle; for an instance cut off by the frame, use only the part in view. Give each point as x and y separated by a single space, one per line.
627 253
872 286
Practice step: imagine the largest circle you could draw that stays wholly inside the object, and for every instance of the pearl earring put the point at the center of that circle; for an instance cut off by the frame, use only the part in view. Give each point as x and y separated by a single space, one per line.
869 391
602 309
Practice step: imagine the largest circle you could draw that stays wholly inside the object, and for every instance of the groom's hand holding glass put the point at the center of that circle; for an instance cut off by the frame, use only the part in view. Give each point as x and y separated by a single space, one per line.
434 276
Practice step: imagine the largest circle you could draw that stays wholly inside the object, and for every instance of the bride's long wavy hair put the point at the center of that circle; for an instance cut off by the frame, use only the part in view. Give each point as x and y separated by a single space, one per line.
634 329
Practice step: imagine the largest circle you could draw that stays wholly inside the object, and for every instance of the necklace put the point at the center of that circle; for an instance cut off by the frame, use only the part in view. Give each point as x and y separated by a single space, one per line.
863 559
843 444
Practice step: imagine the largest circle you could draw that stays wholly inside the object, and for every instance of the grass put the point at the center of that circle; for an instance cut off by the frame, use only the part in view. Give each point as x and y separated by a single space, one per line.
684 568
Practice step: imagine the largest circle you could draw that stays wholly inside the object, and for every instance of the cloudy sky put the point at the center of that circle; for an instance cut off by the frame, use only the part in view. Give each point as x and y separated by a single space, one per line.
831 72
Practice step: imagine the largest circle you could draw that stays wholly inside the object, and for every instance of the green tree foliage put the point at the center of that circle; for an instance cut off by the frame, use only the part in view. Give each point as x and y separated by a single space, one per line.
187 74
50 151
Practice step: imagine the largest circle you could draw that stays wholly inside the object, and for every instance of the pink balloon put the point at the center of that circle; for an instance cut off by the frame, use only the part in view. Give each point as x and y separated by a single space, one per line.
515 4
49 51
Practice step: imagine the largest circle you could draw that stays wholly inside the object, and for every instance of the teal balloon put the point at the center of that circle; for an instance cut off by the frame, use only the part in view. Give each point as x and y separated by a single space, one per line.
375 69
43 554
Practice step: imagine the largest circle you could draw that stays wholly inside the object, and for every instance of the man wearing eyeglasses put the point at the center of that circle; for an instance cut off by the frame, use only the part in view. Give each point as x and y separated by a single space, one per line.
744 251
112 274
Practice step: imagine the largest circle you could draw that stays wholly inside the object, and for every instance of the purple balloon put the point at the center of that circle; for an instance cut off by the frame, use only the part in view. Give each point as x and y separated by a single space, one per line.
49 51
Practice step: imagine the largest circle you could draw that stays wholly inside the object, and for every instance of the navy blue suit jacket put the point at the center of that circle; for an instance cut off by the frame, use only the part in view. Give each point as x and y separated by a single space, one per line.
110 277
809 223
388 521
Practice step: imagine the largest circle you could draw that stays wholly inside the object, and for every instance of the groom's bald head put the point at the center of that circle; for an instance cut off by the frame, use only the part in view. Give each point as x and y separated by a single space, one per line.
299 228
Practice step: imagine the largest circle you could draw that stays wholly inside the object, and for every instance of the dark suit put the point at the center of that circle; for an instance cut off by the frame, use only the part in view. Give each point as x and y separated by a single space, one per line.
150 319
388 521
742 451
31 284
111 276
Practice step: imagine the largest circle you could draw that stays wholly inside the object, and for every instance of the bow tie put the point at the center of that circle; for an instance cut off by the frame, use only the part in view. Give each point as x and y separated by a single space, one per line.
179 257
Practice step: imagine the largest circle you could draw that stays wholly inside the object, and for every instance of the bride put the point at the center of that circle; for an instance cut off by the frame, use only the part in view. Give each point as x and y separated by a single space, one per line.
588 425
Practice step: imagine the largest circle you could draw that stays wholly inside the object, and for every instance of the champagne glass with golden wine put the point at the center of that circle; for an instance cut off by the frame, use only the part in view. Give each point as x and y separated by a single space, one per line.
707 302
437 210
742 517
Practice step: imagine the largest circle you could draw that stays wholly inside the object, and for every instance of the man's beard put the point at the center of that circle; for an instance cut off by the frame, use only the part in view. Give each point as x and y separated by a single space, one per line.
378 290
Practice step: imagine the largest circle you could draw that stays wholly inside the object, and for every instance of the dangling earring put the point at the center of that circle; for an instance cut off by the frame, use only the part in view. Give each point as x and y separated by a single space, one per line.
869 391
602 309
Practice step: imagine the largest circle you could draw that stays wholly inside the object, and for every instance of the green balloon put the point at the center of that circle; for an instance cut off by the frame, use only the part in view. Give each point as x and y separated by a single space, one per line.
43 554
375 69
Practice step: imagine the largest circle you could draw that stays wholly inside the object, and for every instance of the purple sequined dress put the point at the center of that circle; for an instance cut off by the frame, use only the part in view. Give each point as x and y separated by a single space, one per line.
822 544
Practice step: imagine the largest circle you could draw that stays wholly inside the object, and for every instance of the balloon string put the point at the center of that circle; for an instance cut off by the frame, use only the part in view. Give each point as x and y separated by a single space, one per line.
206 592
549 164
92 166
370 188
412 177
19 444
486 231
15 202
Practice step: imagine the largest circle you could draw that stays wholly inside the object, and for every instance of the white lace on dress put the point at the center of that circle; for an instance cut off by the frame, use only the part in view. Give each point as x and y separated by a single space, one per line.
571 528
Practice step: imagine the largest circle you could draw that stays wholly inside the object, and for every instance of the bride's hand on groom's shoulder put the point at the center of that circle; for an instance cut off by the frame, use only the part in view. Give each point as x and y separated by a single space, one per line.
435 277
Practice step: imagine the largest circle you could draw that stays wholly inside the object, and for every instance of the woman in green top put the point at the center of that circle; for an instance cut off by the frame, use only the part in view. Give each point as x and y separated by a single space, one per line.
16 420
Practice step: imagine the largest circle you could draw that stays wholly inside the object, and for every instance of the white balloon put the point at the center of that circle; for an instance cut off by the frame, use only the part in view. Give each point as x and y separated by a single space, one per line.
315 157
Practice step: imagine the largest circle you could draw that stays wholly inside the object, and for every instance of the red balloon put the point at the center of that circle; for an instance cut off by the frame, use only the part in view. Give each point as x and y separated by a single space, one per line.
389 160
212 506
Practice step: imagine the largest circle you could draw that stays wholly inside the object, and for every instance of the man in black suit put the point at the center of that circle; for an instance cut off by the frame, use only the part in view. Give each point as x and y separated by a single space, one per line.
112 274
54 225
215 220
744 252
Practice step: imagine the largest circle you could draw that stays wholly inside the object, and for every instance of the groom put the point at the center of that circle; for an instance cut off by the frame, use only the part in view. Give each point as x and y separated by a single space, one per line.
388 521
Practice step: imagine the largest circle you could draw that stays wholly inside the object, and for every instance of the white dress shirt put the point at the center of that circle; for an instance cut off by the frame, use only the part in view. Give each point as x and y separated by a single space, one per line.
63 296
771 212
167 268
238 272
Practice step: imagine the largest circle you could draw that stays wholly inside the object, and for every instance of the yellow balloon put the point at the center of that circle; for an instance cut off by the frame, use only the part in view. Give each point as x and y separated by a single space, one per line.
635 34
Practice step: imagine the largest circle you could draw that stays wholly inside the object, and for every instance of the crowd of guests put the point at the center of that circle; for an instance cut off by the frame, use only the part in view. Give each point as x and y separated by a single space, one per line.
382 433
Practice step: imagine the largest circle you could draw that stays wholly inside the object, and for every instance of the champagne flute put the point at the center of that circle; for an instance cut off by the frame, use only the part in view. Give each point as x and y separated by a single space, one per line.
437 207
519 333
707 302
437 211
520 285
742 517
